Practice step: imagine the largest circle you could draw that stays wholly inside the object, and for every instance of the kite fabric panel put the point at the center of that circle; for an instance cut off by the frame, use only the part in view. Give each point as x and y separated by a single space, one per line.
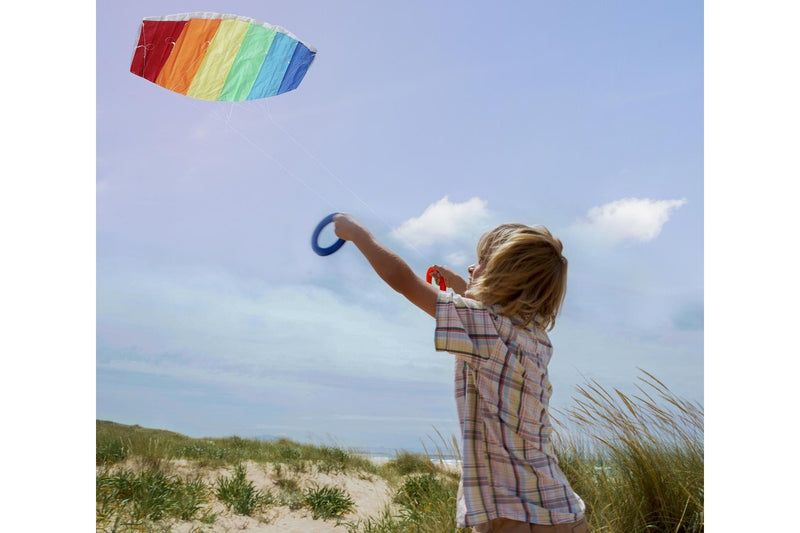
220 57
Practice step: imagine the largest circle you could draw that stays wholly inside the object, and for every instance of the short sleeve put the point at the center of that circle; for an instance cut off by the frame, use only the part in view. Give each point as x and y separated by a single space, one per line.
464 327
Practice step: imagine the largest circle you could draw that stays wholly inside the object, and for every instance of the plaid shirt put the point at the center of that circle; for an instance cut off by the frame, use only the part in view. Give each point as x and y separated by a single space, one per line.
509 469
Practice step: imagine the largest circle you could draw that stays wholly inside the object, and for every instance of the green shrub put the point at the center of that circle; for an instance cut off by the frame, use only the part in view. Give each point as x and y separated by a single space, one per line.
328 502
204 453
239 494
428 503
411 463
418 490
134 497
110 452
333 459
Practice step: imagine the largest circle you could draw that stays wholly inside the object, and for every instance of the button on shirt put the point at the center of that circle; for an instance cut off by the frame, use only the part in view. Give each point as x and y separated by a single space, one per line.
509 468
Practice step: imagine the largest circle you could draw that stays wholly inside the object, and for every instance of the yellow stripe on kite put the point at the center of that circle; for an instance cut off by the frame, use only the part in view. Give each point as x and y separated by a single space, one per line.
210 78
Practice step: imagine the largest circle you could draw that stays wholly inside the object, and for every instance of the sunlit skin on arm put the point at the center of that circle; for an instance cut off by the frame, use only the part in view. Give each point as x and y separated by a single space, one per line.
387 264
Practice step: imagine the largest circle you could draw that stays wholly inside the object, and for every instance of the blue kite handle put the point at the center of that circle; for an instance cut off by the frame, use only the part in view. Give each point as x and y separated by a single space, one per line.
333 247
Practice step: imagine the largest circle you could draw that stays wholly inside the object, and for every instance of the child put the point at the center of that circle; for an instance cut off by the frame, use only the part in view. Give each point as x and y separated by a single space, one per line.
495 324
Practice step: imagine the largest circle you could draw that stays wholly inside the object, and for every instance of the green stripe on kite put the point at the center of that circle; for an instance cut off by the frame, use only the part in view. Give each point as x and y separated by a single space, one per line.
248 63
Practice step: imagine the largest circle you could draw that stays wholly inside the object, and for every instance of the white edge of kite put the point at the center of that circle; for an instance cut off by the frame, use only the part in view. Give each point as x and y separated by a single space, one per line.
209 15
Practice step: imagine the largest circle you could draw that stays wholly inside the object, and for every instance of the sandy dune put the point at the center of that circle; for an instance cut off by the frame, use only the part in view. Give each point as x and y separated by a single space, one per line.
370 493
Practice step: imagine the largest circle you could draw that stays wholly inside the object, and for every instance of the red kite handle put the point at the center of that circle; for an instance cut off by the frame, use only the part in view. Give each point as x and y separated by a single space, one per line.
429 277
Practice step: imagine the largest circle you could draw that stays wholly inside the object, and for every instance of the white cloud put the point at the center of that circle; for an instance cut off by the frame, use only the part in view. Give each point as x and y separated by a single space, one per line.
444 221
628 219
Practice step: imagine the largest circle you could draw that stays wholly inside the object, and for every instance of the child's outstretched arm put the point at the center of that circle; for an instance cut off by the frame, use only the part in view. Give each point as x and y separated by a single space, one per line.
388 265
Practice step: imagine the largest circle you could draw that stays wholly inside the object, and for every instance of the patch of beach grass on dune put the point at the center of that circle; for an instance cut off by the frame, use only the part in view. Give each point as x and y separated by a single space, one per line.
638 463
423 503
152 447
424 495
127 500
328 502
240 494
405 463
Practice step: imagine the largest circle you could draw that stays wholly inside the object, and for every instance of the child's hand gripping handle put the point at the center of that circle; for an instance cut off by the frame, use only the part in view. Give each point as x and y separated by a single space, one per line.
319 250
429 276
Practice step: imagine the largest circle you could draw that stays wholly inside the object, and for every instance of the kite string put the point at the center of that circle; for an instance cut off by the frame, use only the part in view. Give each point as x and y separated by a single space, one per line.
291 137
228 122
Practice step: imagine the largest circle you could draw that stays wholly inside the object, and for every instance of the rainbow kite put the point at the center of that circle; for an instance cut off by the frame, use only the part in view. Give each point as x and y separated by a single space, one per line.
220 57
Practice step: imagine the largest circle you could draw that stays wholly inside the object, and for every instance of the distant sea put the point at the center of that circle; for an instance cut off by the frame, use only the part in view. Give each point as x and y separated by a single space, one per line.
383 457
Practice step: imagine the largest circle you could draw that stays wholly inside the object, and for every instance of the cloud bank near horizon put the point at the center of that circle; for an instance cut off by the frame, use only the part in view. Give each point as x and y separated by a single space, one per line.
200 323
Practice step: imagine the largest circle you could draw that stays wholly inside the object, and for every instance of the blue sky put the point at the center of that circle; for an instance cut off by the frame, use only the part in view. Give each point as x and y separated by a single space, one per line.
431 123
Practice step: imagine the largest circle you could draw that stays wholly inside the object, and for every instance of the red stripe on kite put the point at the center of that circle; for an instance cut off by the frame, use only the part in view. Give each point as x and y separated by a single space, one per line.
156 41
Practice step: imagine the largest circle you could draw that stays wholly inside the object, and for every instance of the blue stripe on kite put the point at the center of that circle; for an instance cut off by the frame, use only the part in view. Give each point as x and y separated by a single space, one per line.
298 66
271 74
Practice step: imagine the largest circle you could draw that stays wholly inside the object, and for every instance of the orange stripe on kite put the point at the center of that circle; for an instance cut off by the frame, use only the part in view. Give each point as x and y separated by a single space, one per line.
187 56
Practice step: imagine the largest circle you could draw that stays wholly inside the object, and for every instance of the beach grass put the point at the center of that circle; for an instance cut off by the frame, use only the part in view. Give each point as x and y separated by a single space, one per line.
239 494
152 447
126 499
328 502
636 460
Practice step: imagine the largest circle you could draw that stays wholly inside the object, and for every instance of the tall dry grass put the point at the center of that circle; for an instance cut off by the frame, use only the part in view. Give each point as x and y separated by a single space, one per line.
635 459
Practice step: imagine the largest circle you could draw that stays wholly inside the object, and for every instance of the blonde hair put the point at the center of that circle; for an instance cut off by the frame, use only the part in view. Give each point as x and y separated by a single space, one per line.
524 273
